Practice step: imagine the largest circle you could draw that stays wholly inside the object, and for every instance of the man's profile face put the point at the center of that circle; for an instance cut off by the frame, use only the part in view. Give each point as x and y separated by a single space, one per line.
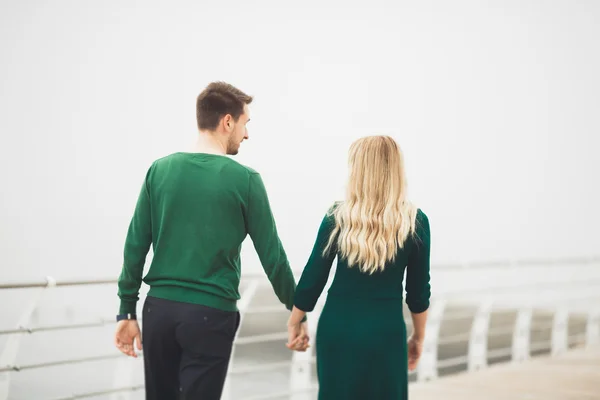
239 133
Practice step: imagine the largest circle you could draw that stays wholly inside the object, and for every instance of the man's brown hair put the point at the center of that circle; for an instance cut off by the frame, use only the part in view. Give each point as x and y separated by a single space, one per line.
217 100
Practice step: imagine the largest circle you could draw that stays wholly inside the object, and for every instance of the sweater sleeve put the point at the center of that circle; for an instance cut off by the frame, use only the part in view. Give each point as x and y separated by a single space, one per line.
137 245
316 272
418 290
263 232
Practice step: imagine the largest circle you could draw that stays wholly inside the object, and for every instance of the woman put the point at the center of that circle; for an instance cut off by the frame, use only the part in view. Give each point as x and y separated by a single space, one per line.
376 234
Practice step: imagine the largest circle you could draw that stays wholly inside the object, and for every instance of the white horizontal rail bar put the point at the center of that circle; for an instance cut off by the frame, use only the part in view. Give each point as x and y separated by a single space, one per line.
583 260
102 392
18 368
267 337
541 345
449 317
267 310
286 393
512 288
499 353
453 362
263 281
25 330
261 367
50 282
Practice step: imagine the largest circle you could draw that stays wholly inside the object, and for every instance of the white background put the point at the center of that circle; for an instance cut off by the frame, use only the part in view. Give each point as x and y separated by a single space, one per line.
495 105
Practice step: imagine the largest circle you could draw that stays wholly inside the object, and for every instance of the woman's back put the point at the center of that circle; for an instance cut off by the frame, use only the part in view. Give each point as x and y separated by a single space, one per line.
376 234
353 283
361 336
388 284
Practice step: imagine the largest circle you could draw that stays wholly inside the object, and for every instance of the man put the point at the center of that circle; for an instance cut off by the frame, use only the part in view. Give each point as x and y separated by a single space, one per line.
196 209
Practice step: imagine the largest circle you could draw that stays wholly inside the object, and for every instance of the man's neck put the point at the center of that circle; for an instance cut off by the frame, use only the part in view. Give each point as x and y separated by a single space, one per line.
208 143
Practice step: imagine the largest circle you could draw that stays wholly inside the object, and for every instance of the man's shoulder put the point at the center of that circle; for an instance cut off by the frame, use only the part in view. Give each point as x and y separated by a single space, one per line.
233 171
166 159
152 167
245 168
229 162
242 170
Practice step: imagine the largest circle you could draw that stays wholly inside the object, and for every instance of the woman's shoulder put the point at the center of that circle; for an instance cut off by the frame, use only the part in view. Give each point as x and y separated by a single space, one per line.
336 204
421 216
422 229
330 214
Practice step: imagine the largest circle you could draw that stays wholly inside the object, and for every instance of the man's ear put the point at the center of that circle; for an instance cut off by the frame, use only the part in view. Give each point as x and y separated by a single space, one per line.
228 123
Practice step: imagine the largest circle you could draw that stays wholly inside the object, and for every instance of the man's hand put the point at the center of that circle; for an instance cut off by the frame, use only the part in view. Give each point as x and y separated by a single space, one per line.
127 332
415 348
298 337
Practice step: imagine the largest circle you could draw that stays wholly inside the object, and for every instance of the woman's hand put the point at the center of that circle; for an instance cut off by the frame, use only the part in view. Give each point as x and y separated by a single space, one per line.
415 348
298 337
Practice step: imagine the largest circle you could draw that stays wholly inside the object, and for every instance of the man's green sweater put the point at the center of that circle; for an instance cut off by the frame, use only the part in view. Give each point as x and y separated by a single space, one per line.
196 209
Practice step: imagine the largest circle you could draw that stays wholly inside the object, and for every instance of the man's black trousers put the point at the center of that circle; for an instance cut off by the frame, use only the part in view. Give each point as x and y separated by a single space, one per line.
187 348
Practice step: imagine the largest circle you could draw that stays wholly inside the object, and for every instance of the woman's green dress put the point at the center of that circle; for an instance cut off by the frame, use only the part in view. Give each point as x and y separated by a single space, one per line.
361 335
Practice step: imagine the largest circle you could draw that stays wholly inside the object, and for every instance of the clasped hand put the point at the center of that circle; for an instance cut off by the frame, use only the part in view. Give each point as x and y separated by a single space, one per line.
298 339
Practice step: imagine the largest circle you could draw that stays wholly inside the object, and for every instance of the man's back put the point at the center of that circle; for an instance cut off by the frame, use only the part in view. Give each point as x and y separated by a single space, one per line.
196 209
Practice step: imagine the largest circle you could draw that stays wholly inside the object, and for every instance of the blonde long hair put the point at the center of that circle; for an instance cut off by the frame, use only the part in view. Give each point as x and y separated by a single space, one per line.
376 218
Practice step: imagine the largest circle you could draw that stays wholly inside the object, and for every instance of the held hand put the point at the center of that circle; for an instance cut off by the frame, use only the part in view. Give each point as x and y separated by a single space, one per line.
128 332
298 337
305 337
415 348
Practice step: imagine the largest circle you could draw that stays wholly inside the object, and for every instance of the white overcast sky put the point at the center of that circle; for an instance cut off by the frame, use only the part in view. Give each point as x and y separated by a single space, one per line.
494 103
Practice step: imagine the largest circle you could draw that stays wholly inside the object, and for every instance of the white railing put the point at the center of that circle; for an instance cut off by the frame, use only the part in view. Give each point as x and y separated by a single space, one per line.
562 303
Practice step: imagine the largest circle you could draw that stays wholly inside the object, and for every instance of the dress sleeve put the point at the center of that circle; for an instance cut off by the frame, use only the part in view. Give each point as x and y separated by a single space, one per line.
418 289
315 274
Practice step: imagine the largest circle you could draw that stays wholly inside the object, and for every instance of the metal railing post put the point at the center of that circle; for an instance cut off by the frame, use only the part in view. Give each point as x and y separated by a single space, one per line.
427 367
477 357
560 337
301 370
592 332
522 335
122 377
243 305
11 349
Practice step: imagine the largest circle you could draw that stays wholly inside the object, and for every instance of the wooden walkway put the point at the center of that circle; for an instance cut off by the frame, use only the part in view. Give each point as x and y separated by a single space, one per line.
574 375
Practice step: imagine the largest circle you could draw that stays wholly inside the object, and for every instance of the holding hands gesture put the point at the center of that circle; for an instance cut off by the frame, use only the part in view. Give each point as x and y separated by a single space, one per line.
298 337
